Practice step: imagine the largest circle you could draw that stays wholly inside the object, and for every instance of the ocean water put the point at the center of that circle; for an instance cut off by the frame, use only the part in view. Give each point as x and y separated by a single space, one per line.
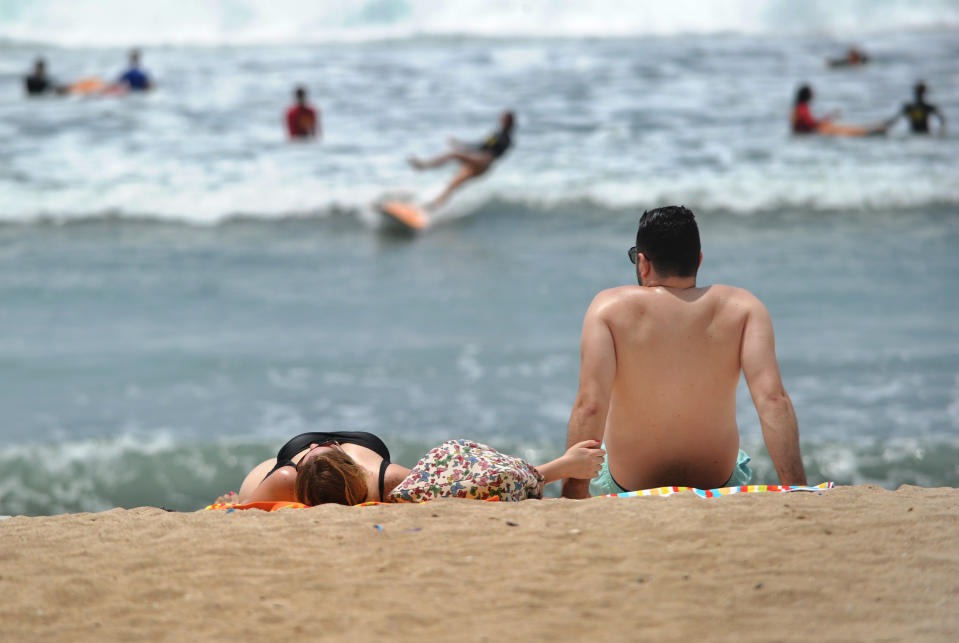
182 290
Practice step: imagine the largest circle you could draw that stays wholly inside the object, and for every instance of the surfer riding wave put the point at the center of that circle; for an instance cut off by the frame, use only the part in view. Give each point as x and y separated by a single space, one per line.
474 159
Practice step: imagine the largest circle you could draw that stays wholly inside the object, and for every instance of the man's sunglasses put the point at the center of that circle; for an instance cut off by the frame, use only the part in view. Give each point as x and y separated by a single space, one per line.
631 253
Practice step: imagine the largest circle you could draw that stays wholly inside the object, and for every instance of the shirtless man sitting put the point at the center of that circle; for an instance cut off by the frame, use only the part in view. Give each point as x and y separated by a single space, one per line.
659 368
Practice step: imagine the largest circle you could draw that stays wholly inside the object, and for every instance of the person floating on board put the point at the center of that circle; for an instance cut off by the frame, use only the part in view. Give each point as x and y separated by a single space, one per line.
38 83
474 159
302 119
659 367
134 78
802 120
919 111
854 58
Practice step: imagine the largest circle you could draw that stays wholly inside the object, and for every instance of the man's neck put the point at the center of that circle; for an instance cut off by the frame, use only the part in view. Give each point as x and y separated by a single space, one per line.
679 283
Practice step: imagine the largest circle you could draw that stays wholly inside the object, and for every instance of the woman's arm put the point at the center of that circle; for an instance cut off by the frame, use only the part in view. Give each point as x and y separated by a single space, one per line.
395 474
582 461
280 486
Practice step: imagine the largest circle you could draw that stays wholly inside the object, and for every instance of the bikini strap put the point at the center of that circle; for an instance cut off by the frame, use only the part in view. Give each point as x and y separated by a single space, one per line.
384 465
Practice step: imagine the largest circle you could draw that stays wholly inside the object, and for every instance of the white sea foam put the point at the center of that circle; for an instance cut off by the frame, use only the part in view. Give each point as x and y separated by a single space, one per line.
605 125
102 22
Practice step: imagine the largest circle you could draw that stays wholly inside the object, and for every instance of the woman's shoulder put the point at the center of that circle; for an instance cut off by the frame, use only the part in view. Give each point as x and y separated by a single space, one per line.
280 485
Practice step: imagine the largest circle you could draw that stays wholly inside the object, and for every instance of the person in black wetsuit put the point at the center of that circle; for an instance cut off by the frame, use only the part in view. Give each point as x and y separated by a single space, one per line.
354 466
919 111
38 83
474 159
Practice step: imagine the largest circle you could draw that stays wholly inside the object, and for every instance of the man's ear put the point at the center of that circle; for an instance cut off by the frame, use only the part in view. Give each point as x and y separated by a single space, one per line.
700 260
643 264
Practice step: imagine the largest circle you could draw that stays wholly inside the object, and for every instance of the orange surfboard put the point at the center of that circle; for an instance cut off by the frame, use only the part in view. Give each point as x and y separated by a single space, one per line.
87 86
406 214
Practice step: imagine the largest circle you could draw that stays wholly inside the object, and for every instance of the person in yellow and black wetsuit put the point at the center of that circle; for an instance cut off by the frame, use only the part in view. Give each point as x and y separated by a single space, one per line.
919 111
474 159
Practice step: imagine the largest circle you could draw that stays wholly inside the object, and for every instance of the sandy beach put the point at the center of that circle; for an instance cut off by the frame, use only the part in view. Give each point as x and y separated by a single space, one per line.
854 563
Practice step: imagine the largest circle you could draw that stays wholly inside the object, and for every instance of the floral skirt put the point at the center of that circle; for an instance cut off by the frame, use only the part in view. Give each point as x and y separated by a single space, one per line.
465 469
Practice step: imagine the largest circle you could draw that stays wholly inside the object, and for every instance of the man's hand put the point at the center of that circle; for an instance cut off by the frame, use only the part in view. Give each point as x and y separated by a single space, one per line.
575 489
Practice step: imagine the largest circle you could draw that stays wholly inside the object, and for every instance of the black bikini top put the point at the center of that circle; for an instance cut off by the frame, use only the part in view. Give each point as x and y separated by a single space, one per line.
359 438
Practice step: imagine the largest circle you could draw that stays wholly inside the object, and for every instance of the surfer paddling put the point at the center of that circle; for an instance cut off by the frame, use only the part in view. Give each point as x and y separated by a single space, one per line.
474 159
660 363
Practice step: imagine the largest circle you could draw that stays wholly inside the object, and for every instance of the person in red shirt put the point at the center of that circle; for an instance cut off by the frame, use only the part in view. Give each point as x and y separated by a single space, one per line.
302 120
803 121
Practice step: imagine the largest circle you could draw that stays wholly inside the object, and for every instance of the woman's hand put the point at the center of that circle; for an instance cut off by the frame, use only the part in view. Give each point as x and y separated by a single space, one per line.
583 460
230 497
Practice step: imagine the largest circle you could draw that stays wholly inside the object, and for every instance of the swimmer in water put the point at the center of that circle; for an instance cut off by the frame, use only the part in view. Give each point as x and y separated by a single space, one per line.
474 159
854 58
134 78
802 120
918 112
302 119
38 83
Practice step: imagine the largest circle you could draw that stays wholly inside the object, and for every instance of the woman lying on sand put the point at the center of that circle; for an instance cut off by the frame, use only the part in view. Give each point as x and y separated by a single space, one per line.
803 122
350 467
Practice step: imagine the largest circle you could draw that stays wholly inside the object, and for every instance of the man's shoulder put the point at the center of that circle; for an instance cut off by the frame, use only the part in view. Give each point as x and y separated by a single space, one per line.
734 295
612 302
618 294
626 293
725 290
638 295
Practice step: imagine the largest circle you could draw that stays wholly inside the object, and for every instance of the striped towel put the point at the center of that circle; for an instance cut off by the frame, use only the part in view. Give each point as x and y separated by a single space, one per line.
722 491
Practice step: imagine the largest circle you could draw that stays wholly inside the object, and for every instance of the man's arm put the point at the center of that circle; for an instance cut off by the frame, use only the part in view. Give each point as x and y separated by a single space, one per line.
776 414
942 121
597 369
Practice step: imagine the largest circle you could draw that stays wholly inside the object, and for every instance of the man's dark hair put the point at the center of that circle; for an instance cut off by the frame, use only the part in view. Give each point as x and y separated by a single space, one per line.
669 237
803 94
919 90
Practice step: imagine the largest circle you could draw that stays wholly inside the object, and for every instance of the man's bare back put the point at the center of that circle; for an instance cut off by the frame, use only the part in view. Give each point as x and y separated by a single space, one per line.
658 378
672 413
